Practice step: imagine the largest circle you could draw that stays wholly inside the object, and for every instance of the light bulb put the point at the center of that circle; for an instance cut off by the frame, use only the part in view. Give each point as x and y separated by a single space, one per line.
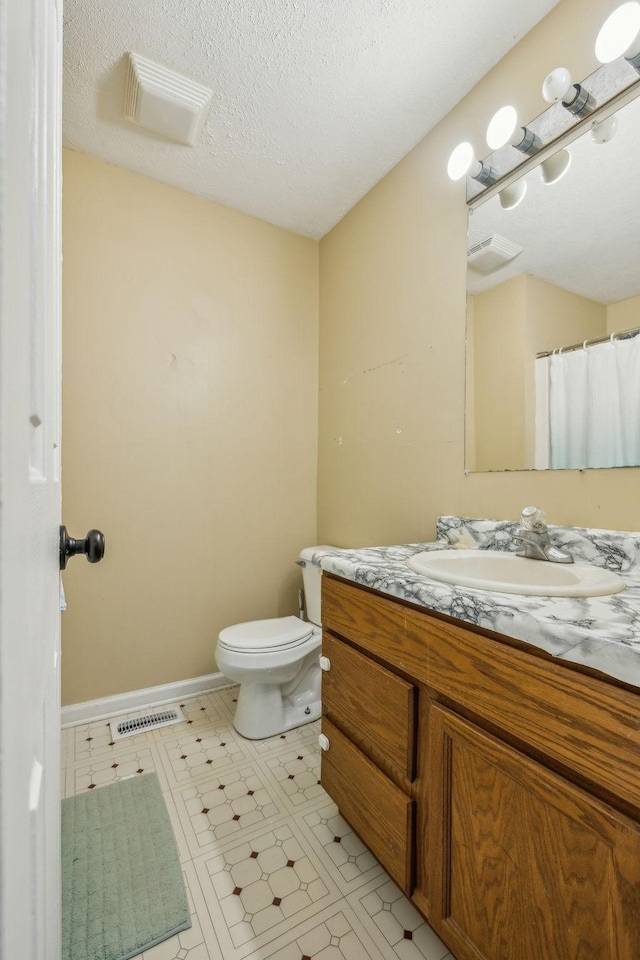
461 161
554 168
525 141
556 85
501 127
619 35
604 130
512 195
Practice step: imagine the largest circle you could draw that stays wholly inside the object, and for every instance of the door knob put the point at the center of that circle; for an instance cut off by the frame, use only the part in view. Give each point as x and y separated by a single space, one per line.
92 546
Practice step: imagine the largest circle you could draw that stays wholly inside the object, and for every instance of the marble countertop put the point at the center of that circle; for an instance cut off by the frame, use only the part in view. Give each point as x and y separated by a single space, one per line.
599 632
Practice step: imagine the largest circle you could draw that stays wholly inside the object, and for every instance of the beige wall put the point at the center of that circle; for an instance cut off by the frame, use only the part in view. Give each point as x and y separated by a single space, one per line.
498 361
559 318
190 424
623 315
392 301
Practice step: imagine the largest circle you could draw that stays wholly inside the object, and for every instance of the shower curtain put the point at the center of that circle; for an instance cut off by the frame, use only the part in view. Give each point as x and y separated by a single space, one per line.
594 405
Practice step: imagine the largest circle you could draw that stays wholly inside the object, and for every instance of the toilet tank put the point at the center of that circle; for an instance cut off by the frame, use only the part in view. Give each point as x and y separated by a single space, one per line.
311 577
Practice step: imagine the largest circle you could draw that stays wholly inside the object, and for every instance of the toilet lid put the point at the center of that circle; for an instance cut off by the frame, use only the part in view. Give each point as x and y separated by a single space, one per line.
259 636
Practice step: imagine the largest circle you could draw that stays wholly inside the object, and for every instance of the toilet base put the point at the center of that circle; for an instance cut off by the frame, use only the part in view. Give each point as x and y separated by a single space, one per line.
262 711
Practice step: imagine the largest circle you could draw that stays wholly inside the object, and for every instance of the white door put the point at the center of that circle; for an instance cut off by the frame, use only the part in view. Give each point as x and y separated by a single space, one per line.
30 123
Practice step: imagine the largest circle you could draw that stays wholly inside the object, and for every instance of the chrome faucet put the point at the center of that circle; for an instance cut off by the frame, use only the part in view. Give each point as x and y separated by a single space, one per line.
532 535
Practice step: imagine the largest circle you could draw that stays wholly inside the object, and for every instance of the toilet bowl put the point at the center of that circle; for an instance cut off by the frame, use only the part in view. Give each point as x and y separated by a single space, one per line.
275 662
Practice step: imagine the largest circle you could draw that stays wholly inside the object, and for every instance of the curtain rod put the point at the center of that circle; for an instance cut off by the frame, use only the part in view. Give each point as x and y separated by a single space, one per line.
625 335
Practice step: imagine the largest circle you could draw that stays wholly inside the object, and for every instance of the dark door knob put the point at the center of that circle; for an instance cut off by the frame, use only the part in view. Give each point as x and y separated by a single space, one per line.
92 546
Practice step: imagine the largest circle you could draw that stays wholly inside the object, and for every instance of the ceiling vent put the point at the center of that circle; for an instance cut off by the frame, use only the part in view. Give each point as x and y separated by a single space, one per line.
164 101
492 253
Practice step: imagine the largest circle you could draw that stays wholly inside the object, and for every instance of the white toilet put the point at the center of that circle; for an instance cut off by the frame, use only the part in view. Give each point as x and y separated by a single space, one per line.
276 663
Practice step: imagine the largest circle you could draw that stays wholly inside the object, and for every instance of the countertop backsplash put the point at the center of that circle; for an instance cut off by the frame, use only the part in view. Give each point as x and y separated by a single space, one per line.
616 550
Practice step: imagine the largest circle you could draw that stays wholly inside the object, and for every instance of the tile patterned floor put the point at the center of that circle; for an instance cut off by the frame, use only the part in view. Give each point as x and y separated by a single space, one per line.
272 870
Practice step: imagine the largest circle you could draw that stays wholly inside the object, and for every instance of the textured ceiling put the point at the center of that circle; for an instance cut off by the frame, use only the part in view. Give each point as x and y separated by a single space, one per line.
582 233
313 100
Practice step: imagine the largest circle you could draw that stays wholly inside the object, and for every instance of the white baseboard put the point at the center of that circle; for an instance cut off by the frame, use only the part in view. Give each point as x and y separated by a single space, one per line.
108 707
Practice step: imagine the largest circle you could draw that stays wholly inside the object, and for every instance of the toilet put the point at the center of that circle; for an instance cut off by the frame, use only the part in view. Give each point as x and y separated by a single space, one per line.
276 663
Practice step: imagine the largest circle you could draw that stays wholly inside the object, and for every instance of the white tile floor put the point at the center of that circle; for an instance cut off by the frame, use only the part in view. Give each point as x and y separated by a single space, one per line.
271 869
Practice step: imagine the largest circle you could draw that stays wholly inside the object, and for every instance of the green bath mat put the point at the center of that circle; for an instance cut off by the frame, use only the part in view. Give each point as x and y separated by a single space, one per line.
122 885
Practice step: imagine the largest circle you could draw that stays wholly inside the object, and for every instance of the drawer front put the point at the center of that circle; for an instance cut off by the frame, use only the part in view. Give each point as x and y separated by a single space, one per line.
379 811
373 622
374 707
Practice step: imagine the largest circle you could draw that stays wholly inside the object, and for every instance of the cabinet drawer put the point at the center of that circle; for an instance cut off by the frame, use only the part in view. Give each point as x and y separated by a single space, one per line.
379 812
374 707
371 621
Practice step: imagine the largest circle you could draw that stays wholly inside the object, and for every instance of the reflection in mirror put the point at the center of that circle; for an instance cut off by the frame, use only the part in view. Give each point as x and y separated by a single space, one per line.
549 276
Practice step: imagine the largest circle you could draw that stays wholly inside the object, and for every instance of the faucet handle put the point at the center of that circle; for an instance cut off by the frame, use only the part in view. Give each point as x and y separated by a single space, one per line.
533 518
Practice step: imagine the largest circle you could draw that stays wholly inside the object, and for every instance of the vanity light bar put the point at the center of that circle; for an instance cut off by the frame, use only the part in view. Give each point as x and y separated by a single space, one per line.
617 45
600 113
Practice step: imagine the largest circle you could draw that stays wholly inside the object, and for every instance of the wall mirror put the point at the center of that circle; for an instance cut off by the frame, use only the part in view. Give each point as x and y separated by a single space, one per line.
574 279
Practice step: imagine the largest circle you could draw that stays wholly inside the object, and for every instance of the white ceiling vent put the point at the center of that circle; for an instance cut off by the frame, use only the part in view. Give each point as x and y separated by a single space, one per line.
164 101
492 253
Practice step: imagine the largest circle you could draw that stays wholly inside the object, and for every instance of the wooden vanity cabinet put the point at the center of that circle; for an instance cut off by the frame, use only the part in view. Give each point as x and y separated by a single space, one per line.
511 814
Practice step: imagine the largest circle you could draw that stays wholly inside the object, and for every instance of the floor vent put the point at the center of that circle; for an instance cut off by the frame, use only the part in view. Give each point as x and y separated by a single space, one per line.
148 721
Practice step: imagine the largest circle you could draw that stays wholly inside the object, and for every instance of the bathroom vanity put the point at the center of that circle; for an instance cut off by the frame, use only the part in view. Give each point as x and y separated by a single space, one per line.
497 785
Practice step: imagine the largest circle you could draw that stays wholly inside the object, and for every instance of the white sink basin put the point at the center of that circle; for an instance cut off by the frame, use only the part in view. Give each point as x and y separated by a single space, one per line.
507 573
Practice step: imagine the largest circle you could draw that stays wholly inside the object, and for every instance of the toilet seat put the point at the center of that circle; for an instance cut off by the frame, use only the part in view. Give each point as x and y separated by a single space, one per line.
260 636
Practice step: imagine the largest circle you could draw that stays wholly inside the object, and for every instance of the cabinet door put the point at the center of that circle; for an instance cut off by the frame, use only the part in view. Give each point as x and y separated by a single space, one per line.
522 864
